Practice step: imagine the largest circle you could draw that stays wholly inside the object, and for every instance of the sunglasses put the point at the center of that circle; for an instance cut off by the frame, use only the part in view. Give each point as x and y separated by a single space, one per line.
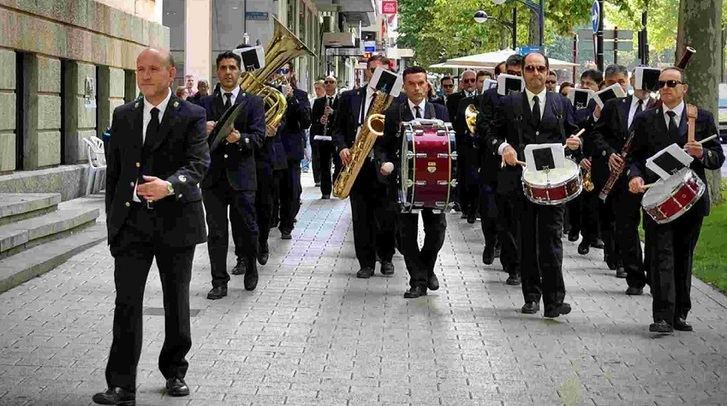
539 68
328 82
283 70
468 80
669 83
550 82
447 86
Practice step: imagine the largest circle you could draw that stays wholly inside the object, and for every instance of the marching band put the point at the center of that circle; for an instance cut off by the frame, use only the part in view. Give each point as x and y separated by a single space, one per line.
514 152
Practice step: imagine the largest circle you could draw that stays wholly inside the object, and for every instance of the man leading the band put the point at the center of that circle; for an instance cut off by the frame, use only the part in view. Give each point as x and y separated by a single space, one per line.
419 262
671 245
535 116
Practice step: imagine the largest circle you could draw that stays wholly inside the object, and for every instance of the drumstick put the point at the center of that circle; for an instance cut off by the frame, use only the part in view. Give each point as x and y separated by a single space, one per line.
578 134
710 138
521 163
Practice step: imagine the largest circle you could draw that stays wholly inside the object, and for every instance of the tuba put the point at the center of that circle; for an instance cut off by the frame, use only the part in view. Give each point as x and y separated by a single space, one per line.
283 48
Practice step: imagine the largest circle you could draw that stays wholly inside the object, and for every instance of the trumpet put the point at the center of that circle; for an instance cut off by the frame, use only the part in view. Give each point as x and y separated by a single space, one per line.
470 117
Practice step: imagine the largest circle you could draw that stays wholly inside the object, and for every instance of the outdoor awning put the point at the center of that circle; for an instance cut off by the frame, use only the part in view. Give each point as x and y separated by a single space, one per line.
491 59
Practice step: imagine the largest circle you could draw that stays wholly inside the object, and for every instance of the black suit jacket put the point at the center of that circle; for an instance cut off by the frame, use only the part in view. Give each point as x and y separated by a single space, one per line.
489 158
453 105
295 122
178 154
236 162
512 124
317 111
651 137
346 123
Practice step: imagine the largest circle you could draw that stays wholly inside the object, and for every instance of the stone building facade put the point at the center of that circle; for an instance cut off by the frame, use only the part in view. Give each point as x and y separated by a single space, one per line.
64 67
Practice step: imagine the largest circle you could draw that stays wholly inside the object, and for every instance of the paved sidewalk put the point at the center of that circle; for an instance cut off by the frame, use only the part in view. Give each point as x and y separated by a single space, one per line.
313 334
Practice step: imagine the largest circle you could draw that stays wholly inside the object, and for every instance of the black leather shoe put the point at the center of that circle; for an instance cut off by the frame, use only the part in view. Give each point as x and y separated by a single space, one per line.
634 291
387 268
572 237
557 310
177 387
681 325
597 243
326 197
285 235
530 308
621 272
415 292
115 396
218 292
471 218
433 282
250 280
240 268
488 255
513 280
662 327
262 257
365 272
583 248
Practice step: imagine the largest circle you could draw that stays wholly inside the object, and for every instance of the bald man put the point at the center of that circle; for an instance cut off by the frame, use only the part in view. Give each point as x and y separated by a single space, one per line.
157 156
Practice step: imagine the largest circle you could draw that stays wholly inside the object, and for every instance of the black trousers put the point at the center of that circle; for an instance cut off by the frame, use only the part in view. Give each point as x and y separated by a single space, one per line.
621 214
583 212
290 191
420 262
671 250
264 205
374 227
488 213
138 243
468 179
327 155
541 230
242 217
315 161
508 232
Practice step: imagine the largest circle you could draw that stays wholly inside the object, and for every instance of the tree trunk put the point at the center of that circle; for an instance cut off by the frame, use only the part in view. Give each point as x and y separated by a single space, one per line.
700 27
534 29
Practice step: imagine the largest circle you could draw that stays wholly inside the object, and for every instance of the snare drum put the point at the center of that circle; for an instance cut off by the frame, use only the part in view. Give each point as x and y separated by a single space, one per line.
554 186
667 200
428 165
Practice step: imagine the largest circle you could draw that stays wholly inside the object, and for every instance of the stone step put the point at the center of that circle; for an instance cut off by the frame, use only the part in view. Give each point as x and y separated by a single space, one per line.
23 266
24 234
20 206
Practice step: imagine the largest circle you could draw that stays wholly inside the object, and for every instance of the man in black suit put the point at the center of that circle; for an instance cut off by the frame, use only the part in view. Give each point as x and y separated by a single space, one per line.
671 245
321 129
468 86
156 158
620 214
419 262
231 180
372 214
292 133
499 215
535 116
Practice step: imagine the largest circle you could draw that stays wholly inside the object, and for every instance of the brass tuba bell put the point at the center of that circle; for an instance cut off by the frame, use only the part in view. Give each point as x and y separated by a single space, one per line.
283 48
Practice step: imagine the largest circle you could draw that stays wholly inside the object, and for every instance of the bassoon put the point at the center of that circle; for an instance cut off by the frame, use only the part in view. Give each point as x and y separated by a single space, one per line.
615 175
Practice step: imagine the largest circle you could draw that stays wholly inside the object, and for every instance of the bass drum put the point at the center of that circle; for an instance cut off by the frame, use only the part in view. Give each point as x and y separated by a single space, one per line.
668 200
428 169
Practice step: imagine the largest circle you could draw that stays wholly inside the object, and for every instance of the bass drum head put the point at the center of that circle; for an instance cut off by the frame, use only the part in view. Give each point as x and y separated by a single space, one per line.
405 174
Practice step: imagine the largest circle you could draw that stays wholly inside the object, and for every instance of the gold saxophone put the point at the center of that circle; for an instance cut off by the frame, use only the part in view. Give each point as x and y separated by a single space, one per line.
283 47
365 139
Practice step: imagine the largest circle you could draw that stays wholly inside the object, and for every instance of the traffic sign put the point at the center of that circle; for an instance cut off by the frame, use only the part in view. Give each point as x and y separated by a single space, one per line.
587 46
526 49
595 16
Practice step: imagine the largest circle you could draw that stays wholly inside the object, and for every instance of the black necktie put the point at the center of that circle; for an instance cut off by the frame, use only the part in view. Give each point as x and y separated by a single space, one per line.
228 100
153 127
417 112
330 101
536 112
639 106
673 129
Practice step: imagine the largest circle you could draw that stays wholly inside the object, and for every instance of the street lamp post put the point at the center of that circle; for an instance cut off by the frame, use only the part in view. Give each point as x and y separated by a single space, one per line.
482 17
537 8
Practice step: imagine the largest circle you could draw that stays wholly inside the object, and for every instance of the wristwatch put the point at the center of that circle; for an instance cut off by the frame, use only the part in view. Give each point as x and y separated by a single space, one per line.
170 188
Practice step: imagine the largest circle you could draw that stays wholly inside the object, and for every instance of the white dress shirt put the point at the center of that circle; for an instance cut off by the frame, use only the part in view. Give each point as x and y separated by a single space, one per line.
679 110
632 109
367 102
235 91
146 119
531 102
412 106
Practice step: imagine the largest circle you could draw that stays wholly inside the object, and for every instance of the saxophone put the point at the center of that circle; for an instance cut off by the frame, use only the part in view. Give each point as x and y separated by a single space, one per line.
365 139
283 47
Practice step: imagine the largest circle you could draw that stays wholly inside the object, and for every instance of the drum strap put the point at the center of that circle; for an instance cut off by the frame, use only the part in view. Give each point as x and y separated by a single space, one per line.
692 122
561 119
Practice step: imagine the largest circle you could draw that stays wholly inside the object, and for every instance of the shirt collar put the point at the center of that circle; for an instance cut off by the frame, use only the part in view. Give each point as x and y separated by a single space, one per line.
679 110
421 105
161 106
540 95
235 91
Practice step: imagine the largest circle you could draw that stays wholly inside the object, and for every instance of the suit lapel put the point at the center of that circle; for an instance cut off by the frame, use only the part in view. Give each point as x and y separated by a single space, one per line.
527 113
168 121
683 127
138 122
623 113
429 111
356 102
660 123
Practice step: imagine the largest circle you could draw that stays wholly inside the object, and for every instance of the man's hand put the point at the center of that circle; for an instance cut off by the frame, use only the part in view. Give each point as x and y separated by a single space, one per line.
210 126
586 164
328 110
509 155
287 90
386 168
324 119
636 185
694 149
573 143
233 137
597 111
615 163
153 189
345 155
